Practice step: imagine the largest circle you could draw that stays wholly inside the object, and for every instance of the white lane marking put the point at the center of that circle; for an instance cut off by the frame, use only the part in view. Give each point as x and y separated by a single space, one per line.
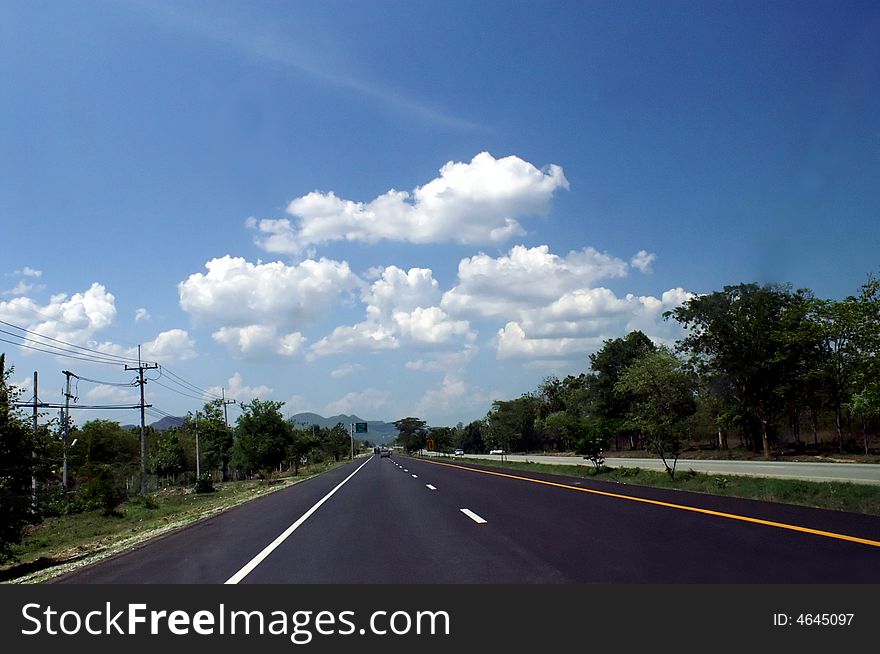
430 487
415 476
473 516
254 562
405 470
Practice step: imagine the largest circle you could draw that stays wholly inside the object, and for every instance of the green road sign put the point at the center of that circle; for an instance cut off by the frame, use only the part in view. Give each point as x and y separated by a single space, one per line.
360 427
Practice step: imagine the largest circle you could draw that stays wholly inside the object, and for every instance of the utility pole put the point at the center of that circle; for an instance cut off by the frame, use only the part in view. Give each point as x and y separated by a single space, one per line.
140 368
65 426
33 475
226 402
198 452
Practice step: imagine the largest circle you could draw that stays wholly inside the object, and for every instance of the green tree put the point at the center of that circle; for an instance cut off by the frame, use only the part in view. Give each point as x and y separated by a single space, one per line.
607 365
170 458
261 437
215 438
300 445
511 424
336 441
17 466
663 398
742 334
411 433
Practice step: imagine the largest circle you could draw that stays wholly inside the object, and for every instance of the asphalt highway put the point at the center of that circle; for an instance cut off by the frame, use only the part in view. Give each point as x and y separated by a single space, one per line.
404 520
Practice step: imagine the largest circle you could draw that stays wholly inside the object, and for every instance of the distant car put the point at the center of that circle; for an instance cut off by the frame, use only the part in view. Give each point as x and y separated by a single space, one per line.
459 452
496 451
384 452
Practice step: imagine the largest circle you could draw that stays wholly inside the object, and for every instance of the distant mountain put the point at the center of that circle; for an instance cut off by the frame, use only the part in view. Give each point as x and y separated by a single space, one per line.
168 422
377 430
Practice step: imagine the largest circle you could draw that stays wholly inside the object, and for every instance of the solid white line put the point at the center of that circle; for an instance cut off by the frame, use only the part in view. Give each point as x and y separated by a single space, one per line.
473 516
405 470
430 487
415 476
254 562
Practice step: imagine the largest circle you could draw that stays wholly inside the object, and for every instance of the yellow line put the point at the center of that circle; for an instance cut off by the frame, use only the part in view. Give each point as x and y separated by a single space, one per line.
682 507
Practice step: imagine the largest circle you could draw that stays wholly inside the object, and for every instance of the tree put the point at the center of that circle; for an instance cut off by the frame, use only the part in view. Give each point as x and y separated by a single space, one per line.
511 424
663 398
412 433
301 443
170 459
607 365
17 466
215 438
470 437
336 441
741 334
261 436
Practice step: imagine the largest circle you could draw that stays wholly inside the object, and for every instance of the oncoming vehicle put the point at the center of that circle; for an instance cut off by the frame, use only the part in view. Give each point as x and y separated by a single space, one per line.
384 451
459 452
496 451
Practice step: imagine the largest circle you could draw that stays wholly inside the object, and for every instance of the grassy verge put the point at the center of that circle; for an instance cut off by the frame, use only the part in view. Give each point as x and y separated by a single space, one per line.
839 496
61 543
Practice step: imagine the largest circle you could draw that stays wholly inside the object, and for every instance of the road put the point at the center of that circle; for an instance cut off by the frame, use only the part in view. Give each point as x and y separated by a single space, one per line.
857 473
404 520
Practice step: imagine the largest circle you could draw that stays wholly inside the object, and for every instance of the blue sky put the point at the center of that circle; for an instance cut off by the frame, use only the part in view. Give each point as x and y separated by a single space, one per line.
414 208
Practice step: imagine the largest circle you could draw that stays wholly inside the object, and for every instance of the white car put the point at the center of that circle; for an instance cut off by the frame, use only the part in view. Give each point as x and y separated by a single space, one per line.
459 452
496 451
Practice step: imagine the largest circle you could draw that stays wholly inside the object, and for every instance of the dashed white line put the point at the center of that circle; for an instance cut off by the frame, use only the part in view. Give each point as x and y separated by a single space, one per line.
429 487
415 476
473 516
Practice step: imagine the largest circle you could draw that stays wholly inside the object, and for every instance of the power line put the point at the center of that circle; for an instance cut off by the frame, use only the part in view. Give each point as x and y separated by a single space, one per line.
95 353
189 385
58 352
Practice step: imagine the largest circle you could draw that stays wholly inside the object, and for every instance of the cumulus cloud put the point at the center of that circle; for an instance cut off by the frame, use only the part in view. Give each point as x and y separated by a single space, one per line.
400 309
476 202
359 402
257 307
112 394
235 292
580 322
141 314
523 278
643 261
73 319
172 345
444 361
259 341
236 389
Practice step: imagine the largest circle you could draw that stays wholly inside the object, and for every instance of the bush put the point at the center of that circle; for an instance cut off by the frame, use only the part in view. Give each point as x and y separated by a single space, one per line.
204 484
103 489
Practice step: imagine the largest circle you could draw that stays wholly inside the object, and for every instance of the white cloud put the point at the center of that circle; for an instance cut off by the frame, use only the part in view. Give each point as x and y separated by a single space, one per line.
362 337
141 314
235 292
296 404
111 394
257 307
236 389
643 260
480 202
23 288
524 278
27 271
444 361
73 319
400 310
259 341
172 345
344 371
512 342
361 403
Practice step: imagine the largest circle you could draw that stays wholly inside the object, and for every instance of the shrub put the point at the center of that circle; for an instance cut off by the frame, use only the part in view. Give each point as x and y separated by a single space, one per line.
204 484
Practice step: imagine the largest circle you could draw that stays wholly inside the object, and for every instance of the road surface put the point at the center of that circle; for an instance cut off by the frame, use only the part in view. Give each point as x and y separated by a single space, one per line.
403 520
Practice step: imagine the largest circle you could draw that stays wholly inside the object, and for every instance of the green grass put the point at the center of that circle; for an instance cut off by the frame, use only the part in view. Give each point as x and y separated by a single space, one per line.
838 496
58 543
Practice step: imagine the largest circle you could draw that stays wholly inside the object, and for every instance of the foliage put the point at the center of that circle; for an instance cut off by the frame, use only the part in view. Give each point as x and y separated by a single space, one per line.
663 398
204 484
412 434
17 465
261 437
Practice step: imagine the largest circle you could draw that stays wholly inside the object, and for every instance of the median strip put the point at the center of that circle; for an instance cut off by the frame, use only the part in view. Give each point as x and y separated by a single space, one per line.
670 505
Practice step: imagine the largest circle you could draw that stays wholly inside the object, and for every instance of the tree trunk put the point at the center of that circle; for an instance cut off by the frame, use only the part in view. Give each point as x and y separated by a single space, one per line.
837 413
766 439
